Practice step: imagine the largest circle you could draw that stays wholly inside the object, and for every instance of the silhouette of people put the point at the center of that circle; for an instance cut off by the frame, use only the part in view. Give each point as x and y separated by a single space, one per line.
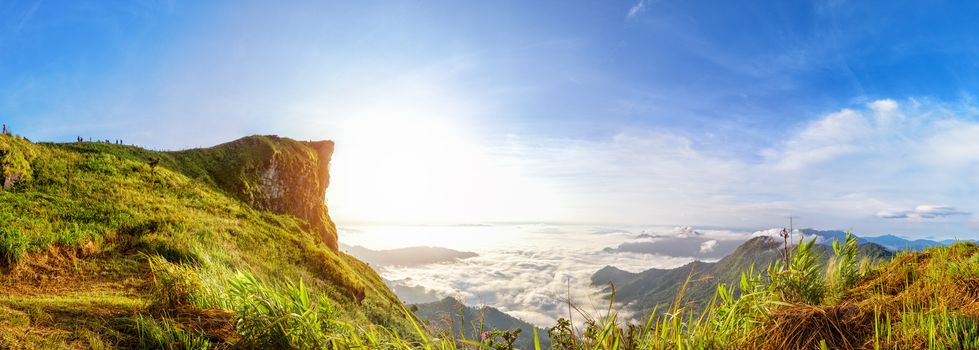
4 129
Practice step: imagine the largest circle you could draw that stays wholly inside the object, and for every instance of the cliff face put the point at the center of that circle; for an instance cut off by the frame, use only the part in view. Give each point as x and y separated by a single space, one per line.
270 173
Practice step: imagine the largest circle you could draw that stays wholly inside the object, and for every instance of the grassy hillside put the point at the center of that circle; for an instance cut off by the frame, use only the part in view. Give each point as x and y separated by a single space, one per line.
106 245
917 300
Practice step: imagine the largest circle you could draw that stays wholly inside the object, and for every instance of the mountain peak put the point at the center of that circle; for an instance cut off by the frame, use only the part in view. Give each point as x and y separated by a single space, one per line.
270 173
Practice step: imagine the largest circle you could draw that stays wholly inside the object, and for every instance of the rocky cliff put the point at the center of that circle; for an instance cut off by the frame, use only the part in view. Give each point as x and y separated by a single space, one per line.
270 173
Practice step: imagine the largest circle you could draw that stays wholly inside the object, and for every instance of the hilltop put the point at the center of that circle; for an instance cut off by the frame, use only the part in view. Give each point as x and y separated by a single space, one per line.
105 245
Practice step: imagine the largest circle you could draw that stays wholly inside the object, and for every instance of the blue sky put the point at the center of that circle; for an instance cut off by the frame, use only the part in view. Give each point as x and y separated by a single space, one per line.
735 114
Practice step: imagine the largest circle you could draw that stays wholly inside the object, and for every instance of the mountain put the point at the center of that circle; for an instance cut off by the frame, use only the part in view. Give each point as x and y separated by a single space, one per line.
268 173
99 241
445 315
896 243
658 287
411 293
410 256
891 242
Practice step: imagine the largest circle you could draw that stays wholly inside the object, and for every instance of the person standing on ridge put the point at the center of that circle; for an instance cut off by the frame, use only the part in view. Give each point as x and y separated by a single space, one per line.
4 129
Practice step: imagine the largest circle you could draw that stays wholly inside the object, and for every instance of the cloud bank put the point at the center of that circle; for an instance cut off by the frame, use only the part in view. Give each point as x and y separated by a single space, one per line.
530 277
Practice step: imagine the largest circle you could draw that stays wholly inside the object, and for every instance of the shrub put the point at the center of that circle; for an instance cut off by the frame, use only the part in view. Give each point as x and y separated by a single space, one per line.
13 245
843 271
49 171
102 163
800 281
282 316
173 285
15 166
736 315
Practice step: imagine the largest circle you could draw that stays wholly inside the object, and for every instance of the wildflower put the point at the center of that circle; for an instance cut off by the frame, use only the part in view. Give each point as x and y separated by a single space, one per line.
484 336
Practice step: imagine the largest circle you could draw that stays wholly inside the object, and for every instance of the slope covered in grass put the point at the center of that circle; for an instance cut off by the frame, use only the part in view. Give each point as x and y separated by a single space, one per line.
918 300
100 242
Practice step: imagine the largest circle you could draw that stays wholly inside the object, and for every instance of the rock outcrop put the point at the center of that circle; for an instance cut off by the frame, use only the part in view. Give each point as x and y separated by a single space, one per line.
270 173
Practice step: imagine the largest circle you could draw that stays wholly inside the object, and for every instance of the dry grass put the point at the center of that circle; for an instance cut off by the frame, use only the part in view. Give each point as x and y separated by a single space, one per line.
800 326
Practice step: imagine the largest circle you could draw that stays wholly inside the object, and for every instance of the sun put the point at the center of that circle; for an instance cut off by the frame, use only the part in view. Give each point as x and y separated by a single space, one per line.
426 170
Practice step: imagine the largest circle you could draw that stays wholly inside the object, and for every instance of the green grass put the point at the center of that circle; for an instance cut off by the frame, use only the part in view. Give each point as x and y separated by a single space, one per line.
167 335
82 201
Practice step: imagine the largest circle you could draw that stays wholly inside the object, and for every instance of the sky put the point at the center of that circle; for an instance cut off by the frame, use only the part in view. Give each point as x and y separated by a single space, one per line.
734 114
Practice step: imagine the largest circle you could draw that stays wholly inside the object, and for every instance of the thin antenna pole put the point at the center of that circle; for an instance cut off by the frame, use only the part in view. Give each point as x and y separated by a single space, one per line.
792 225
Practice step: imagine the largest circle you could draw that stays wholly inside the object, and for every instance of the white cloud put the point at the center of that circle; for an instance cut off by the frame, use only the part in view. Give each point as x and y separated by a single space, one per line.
708 246
637 9
931 211
685 231
885 106
890 214
796 237
923 211
954 143
825 139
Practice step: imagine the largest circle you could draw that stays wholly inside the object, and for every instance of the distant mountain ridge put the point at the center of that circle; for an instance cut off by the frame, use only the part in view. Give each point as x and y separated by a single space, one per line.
658 287
450 313
891 242
410 256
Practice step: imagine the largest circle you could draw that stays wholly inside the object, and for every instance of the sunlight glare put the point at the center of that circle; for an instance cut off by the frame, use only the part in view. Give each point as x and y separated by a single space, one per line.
406 168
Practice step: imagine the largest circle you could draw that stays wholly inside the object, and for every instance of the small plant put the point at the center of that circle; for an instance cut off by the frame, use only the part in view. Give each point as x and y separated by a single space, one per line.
735 316
13 246
282 317
173 285
799 281
153 162
843 271
103 163
499 340
562 335
167 335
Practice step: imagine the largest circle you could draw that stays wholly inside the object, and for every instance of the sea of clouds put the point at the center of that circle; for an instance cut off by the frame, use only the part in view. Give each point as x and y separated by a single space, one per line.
529 271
